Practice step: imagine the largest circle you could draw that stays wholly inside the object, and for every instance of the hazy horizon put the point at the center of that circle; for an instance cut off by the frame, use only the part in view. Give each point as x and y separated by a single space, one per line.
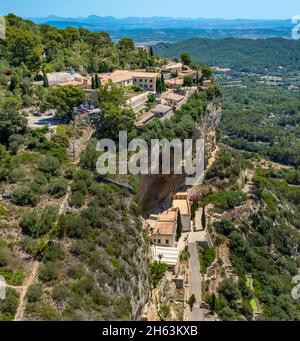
192 9
157 16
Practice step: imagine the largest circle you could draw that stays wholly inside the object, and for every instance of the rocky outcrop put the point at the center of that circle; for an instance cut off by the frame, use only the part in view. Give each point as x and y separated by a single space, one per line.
156 191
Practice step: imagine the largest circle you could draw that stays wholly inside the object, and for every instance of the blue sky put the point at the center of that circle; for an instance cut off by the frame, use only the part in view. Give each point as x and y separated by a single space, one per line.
251 9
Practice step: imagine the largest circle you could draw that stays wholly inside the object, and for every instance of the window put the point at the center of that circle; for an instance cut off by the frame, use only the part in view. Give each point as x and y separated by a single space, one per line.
151 81
151 86
141 80
154 240
159 241
167 241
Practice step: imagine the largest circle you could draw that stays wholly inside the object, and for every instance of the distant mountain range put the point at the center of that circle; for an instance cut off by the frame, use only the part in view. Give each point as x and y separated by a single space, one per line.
162 29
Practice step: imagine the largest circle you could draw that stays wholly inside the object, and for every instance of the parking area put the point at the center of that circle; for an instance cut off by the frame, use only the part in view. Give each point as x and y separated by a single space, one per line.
44 120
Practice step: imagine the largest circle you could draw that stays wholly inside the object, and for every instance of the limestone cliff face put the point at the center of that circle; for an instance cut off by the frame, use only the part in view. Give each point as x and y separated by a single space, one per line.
156 191
209 128
137 285
140 296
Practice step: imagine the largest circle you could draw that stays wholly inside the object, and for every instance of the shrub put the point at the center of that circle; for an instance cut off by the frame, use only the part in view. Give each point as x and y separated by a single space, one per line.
39 183
99 298
17 174
228 314
76 272
61 140
53 253
207 257
4 255
74 225
32 246
48 164
224 227
58 187
85 176
165 310
38 222
224 200
86 284
10 304
3 211
89 157
77 199
13 277
229 290
49 313
34 293
60 293
24 196
48 272
157 271
122 309
69 172
79 186
15 141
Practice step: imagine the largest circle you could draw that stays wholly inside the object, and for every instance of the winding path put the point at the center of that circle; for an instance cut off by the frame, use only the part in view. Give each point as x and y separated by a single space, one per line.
22 304
35 264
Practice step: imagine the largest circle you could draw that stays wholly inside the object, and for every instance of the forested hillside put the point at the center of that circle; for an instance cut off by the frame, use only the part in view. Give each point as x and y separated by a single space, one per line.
240 54
268 122
255 180
29 49
261 230
62 231
72 246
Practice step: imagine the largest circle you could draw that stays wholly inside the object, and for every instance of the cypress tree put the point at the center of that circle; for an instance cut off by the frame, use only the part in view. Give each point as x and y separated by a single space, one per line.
158 86
179 226
13 83
45 81
163 84
203 218
97 81
93 82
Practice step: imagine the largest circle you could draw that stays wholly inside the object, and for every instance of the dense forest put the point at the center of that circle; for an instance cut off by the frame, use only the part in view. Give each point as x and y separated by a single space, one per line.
248 55
268 122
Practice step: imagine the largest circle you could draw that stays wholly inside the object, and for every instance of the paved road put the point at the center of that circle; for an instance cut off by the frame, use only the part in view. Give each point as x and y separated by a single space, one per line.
195 283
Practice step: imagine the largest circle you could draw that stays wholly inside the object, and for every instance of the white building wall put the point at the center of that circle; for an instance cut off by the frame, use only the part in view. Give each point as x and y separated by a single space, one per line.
186 223
163 240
